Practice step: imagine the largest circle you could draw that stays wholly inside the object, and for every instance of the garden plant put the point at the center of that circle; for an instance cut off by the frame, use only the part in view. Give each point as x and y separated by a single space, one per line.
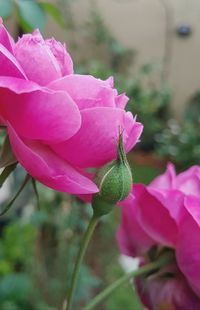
71 133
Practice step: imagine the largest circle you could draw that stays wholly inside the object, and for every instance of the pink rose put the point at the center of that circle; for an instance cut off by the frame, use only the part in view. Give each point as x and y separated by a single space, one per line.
59 123
166 214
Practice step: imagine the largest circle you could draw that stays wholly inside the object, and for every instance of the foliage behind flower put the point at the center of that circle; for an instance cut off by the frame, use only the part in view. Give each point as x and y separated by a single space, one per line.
166 216
59 123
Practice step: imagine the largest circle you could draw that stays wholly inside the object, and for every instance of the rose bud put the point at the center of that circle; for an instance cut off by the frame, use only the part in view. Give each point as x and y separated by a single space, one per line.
114 181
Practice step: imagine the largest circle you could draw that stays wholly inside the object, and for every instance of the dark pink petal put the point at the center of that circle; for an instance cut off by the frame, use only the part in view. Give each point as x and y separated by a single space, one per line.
38 113
132 239
166 180
155 218
36 58
95 143
86 91
45 166
188 244
9 66
167 294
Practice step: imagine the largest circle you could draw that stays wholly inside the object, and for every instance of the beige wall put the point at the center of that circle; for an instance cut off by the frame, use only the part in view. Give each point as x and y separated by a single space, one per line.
140 25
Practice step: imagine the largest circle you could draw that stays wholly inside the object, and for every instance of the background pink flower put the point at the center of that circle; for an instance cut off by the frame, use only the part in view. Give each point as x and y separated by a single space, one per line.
166 214
59 123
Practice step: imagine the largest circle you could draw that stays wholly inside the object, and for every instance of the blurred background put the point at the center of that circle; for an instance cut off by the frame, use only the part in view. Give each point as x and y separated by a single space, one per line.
152 49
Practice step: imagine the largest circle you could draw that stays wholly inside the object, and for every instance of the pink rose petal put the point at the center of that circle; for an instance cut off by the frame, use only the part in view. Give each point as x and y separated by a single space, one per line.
154 218
36 58
86 91
45 166
9 66
95 143
38 113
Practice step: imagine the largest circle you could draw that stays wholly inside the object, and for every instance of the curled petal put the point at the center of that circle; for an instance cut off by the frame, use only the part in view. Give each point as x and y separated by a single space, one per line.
121 101
189 181
87 91
36 58
155 218
176 209
166 180
61 55
5 39
95 143
188 244
46 167
38 113
132 239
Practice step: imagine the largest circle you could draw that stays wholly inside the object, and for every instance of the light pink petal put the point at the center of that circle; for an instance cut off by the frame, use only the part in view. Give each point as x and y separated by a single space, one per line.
86 91
5 39
155 217
9 66
121 101
131 237
188 244
176 209
95 143
110 81
166 180
189 181
61 55
192 204
36 58
133 131
38 113
45 166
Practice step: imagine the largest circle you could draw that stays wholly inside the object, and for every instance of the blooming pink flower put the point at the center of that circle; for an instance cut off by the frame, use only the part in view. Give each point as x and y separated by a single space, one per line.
59 123
166 214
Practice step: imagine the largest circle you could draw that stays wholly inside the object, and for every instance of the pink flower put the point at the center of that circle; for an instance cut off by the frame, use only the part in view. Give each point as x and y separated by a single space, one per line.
166 214
59 123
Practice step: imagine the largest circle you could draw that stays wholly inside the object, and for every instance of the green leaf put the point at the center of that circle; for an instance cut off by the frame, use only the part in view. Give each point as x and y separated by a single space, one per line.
53 11
15 286
31 15
7 157
6 172
5 8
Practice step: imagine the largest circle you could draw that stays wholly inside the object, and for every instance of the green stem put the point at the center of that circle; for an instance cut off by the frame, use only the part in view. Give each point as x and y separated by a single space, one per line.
79 258
6 172
9 205
136 273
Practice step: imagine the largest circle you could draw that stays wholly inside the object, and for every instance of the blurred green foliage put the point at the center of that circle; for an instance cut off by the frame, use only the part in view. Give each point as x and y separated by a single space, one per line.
31 14
150 104
181 142
37 251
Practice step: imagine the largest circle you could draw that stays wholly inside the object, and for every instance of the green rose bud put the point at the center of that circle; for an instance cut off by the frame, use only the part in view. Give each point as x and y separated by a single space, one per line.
114 181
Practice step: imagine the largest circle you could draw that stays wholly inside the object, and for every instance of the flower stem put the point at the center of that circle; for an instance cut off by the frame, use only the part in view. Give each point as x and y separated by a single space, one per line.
86 238
9 205
136 273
